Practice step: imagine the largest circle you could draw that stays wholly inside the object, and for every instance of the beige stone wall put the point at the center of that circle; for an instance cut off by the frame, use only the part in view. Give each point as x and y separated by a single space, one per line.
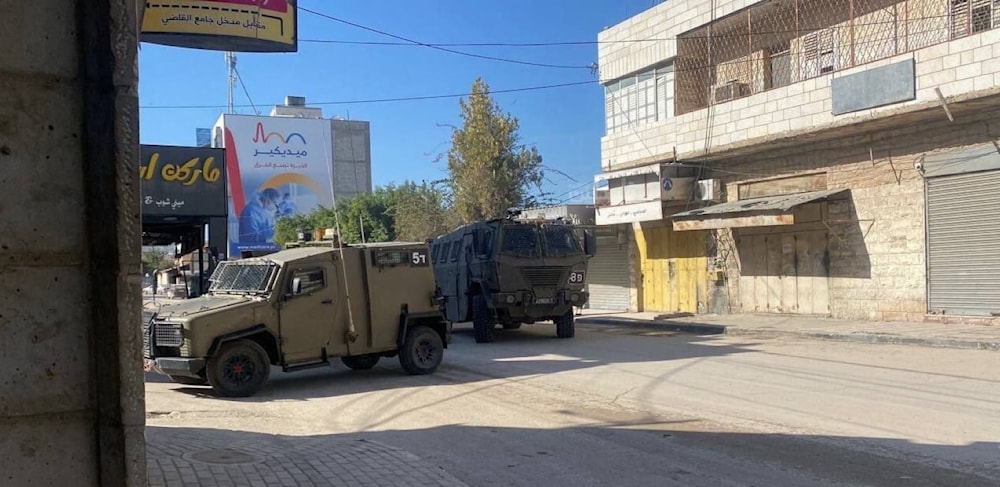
877 236
963 68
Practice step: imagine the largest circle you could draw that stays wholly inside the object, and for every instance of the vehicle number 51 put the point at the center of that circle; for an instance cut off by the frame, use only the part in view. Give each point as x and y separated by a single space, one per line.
576 277
418 258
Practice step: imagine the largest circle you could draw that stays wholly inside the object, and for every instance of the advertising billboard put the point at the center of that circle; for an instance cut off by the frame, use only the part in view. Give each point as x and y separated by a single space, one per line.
182 181
222 25
277 166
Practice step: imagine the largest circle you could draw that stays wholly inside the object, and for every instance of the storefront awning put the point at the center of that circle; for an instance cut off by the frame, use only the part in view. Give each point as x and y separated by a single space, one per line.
756 212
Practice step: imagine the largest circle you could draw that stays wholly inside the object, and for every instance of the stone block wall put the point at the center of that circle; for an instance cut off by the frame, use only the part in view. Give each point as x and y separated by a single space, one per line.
877 234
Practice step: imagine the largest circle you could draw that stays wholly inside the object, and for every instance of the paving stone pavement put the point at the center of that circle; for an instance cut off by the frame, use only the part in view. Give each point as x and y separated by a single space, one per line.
182 457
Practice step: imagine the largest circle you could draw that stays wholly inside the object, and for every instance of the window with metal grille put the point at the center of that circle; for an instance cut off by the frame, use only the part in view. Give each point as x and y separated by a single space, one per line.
309 279
242 277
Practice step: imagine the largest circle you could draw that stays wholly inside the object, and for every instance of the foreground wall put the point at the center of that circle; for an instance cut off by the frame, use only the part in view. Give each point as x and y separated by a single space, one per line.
71 386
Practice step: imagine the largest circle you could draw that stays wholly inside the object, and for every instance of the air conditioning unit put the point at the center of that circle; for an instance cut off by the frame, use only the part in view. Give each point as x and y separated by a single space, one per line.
708 190
729 91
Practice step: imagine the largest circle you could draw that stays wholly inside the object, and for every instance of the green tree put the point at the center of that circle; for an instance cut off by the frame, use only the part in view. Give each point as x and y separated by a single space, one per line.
155 260
422 211
287 228
490 170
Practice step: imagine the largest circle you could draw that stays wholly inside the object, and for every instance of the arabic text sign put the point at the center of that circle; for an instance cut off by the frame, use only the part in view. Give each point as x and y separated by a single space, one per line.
635 212
274 157
222 25
182 181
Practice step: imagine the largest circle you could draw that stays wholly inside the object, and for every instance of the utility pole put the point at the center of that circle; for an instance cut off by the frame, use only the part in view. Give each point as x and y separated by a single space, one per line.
231 64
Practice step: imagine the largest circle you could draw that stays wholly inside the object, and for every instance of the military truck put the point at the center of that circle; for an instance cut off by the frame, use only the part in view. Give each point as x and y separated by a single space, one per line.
511 272
297 309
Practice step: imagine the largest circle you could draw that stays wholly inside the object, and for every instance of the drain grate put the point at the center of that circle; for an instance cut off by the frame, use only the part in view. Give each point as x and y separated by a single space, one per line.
224 456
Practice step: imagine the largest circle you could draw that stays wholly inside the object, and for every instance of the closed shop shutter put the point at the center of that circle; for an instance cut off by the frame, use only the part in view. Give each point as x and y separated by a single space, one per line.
963 244
608 280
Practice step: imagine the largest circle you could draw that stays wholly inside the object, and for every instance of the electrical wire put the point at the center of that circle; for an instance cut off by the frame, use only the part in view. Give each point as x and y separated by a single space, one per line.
246 91
579 43
440 48
389 100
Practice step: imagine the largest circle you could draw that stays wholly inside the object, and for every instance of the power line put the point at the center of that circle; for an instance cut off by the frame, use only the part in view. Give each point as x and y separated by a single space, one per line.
246 91
390 100
439 48
741 35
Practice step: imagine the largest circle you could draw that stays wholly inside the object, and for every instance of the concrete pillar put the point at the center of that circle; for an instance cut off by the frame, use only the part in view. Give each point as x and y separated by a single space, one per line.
71 386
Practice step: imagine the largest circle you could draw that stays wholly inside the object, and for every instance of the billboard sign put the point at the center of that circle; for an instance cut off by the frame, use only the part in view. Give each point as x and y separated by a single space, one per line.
222 25
182 181
277 167
204 137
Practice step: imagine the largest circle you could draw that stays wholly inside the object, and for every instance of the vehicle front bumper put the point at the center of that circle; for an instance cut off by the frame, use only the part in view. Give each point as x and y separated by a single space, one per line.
527 298
185 367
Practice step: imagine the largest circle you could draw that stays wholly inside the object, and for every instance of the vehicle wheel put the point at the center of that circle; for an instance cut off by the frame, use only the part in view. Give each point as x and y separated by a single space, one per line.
188 381
422 351
511 326
482 321
361 362
565 325
239 369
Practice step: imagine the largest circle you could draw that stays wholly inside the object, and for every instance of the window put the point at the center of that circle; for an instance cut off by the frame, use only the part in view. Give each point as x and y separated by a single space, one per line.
434 252
456 248
637 100
443 252
818 48
520 240
309 280
780 66
560 241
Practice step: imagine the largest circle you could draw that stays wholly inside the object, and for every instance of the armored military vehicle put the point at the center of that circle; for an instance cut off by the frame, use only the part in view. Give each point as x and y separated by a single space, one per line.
297 309
510 272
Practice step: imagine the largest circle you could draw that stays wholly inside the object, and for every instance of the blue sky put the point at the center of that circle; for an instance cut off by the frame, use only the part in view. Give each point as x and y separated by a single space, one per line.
564 123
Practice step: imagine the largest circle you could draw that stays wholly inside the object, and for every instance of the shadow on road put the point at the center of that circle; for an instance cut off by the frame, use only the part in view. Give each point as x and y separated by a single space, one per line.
531 351
616 453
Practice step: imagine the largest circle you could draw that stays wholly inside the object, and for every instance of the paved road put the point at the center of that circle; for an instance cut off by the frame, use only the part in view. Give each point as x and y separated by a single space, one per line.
634 407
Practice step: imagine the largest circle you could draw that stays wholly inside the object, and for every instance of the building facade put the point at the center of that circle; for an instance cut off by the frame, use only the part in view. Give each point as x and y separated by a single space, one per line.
835 157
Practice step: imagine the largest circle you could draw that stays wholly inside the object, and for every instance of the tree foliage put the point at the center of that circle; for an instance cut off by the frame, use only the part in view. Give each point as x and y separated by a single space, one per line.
410 211
155 260
489 169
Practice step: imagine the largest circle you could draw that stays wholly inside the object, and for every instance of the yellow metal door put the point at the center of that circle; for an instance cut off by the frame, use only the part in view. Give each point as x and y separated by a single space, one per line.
674 269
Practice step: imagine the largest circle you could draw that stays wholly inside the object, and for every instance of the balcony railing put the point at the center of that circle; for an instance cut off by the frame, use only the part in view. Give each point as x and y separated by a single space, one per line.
776 43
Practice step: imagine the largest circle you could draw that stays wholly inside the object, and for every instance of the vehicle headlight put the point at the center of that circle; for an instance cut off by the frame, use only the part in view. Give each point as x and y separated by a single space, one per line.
510 299
168 334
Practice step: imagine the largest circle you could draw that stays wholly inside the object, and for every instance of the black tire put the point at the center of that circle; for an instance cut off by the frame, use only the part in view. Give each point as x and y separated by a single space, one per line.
566 325
189 381
239 369
482 320
422 351
512 326
361 362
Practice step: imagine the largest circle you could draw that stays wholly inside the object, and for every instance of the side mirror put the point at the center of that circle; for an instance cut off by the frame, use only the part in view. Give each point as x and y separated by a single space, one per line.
296 286
589 243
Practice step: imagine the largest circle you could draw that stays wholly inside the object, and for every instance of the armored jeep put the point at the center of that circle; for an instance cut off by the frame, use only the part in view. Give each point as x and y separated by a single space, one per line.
511 272
297 309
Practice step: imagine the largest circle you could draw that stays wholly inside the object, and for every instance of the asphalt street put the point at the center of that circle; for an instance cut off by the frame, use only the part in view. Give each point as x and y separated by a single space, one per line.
641 407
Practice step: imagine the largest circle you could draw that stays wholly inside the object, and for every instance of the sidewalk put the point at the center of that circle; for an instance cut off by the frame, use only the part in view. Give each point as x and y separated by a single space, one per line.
191 457
963 336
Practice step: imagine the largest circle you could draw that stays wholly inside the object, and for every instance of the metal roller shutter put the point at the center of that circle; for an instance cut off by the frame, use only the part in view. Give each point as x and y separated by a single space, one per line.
608 280
963 244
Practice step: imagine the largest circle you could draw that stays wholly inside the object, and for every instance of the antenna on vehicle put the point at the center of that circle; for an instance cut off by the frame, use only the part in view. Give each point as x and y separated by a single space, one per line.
352 333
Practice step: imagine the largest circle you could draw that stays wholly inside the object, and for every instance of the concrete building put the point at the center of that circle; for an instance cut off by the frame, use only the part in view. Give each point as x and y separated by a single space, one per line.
827 157
352 160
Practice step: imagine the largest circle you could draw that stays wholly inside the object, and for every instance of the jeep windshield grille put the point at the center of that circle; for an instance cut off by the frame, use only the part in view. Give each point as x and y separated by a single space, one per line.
238 277
520 241
535 241
560 241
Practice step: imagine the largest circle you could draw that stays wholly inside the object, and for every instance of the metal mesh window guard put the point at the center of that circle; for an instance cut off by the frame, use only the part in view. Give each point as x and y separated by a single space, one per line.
777 43
239 277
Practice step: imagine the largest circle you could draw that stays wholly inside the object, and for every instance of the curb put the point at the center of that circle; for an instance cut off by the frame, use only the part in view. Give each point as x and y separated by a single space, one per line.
871 338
